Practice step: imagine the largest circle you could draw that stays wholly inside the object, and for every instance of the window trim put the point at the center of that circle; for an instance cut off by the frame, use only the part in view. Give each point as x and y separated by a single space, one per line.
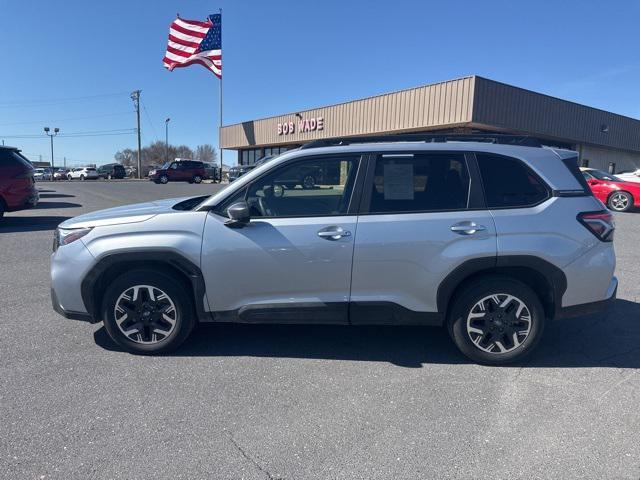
529 170
475 196
360 159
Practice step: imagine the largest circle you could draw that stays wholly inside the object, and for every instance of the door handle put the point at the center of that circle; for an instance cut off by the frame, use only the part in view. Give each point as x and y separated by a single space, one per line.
467 228
333 233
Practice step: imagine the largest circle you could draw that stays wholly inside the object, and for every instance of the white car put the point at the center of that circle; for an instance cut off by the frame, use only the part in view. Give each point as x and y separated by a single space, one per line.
82 173
633 176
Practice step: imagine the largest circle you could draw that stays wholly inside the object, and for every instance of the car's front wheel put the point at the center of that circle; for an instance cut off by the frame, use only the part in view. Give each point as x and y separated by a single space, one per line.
164 179
69 177
147 311
620 201
496 320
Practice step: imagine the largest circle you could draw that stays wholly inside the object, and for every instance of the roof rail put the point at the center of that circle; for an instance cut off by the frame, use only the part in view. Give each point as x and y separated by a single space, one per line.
522 140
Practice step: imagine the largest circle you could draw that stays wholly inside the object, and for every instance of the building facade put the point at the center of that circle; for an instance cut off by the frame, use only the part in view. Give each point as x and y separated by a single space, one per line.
466 105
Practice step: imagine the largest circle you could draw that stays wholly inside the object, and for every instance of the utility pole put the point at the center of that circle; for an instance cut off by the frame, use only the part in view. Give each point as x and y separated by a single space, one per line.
135 96
51 135
65 162
166 139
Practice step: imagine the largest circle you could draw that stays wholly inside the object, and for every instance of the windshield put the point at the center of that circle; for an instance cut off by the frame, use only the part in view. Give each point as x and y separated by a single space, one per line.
600 175
166 165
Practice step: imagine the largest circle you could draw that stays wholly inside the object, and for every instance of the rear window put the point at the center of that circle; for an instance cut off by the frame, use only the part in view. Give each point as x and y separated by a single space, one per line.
509 183
572 164
11 158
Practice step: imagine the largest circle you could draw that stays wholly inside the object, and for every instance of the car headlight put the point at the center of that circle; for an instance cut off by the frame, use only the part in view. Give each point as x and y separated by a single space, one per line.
65 236
151 172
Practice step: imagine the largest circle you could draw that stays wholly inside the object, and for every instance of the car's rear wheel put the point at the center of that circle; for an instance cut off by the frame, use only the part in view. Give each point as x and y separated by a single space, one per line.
109 177
164 179
147 311
620 201
197 179
496 320
2 208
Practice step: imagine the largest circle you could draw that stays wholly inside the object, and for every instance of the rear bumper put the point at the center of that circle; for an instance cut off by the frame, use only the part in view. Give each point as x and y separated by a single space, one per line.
28 200
593 307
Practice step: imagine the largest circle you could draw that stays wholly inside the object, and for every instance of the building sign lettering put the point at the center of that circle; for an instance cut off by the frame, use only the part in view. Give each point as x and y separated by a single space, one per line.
304 125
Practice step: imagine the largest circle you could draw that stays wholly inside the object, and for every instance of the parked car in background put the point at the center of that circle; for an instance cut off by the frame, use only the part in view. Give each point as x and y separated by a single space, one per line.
60 174
111 170
629 176
191 171
82 173
38 174
212 171
611 190
488 240
17 184
239 170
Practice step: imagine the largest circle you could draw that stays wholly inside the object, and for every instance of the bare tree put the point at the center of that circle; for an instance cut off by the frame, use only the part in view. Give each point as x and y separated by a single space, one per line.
126 157
206 153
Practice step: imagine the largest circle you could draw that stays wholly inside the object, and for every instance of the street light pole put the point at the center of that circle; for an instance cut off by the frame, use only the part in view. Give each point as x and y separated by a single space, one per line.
166 139
51 135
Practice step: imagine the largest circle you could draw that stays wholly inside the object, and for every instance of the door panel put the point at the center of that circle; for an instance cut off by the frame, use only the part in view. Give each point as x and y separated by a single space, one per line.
423 215
403 258
275 263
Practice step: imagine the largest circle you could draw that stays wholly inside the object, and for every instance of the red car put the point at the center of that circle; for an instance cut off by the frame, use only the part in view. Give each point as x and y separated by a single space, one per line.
17 186
179 171
614 192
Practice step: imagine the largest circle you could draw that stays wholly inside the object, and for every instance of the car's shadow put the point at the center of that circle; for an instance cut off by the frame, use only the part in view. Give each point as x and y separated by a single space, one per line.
609 340
46 205
55 195
9 224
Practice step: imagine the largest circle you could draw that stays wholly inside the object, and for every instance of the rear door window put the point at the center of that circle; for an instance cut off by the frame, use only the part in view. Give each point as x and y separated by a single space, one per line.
419 182
509 183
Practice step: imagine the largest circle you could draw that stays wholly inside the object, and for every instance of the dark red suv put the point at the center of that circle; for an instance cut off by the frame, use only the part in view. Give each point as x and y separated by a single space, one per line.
179 171
17 186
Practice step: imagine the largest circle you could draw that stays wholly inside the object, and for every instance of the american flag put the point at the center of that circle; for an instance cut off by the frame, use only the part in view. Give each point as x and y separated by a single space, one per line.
192 41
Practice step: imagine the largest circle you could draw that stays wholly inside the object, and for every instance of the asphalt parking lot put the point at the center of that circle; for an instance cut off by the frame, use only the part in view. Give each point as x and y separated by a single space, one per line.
298 402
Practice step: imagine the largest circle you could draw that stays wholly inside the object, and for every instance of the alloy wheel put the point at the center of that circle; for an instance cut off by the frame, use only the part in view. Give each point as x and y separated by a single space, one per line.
308 182
619 201
145 314
499 323
164 179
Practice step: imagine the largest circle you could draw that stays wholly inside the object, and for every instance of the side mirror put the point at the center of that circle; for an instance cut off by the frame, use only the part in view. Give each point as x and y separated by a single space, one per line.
239 215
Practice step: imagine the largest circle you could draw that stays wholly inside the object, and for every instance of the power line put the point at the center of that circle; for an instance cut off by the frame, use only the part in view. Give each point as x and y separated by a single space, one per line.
57 101
155 133
128 112
94 133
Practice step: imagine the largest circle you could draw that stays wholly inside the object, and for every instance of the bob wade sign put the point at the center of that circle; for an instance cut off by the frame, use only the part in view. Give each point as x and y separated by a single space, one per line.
304 125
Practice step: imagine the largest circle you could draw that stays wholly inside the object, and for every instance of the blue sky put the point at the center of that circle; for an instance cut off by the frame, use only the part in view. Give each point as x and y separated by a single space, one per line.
289 55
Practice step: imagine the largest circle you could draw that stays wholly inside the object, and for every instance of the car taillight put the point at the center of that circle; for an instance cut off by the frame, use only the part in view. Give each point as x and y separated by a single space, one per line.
599 223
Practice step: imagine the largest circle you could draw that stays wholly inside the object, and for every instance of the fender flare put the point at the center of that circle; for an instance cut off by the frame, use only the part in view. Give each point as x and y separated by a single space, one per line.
551 273
161 257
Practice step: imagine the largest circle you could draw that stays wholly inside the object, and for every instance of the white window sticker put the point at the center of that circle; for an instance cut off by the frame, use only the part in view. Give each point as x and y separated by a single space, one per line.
398 181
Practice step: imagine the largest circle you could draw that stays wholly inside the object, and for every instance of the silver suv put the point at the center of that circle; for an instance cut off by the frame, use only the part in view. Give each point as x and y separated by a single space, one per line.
488 238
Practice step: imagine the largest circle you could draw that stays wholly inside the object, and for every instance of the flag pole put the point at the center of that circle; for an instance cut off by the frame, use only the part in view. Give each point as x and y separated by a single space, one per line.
220 125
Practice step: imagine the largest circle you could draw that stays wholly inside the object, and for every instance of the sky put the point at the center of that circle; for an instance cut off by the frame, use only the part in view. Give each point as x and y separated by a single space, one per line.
72 64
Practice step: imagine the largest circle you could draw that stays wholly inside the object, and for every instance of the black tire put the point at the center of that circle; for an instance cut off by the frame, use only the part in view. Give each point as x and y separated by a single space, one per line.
620 201
499 331
109 177
164 179
82 178
69 177
197 179
2 208
176 291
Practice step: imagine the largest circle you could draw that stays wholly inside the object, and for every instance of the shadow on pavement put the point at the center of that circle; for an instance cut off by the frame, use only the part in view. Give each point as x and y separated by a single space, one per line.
609 340
10 224
44 205
55 195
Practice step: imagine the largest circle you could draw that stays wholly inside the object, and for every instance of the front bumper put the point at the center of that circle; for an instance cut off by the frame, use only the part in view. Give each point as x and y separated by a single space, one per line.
82 316
592 307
